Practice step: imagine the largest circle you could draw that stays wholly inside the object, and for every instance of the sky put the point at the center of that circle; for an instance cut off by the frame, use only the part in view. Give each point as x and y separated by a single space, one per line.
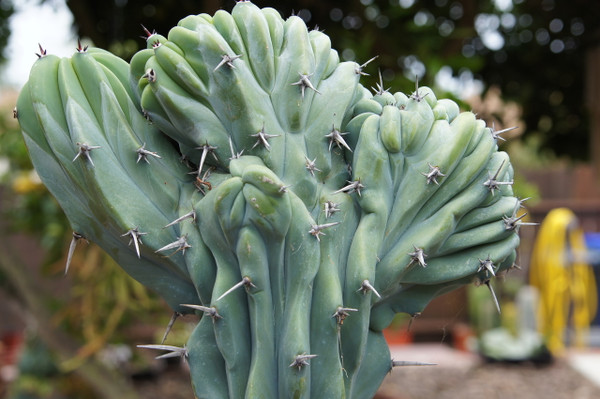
48 24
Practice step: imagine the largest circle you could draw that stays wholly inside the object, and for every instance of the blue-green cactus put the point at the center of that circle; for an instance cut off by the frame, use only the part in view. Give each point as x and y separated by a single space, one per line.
239 169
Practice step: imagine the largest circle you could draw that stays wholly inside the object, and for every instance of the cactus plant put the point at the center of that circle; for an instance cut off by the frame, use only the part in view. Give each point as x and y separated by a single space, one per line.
239 169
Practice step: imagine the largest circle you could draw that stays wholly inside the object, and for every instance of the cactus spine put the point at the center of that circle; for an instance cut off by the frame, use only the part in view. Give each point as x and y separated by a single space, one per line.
239 169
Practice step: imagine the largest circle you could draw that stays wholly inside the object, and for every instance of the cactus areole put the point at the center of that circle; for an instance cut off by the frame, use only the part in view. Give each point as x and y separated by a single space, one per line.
240 170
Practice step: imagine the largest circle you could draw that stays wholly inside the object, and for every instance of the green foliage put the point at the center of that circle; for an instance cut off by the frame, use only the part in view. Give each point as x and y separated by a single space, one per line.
239 169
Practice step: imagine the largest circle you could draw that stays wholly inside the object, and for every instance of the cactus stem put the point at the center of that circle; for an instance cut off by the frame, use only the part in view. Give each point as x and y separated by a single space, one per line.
172 351
305 83
150 75
416 96
246 282
316 229
379 87
181 244
417 256
42 52
404 363
234 155
189 215
335 136
205 150
367 286
351 187
209 311
341 313
143 154
310 165
496 134
84 151
135 238
301 361
330 208
486 265
433 174
174 317
492 184
360 69
227 60
263 138
80 48
74 240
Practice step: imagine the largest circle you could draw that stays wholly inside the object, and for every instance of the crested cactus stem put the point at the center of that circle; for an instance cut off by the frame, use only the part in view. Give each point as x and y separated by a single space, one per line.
301 361
379 88
493 184
180 244
150 75
360 69
341 313
305 83
227 60
189 215
80 48
353 186
433 174
205 150
404 363
135 238
84 151
234 155
366 286
416 95
246 283
172 321
494 297
74 241
310 166
317 229
263 138
143 154
330 208
335 136
43 52
486 265
209 311
417 256
496 134
172 351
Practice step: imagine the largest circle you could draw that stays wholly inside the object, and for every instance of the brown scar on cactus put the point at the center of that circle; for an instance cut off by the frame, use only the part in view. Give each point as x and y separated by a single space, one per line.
72 245
317 229
301 361
84 152
227 60
209 311
143 154
263 138
180 244
135 238
341 313
305 83
433 174
172 351
246 283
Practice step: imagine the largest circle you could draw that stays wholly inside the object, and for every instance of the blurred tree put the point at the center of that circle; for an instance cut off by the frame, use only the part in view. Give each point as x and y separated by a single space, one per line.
535 51
6 11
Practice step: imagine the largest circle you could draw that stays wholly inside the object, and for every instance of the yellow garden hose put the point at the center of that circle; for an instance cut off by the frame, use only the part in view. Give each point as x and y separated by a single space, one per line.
566 282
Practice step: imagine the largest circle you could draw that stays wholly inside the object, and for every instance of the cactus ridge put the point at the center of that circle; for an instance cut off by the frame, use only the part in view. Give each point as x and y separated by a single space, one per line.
239 169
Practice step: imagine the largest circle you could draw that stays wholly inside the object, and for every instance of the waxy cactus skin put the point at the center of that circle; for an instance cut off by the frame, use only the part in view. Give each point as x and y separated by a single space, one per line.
239 169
